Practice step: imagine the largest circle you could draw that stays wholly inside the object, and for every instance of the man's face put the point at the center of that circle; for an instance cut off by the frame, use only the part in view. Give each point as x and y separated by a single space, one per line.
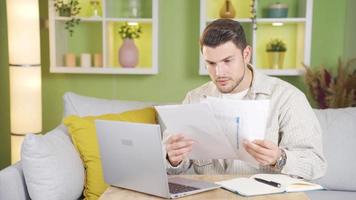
225 64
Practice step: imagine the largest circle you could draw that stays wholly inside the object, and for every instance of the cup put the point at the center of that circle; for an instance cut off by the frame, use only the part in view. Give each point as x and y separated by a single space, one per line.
69 59
98 60
85 60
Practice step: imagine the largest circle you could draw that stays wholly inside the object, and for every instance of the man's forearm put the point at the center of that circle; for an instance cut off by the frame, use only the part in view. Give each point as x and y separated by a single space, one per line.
304 163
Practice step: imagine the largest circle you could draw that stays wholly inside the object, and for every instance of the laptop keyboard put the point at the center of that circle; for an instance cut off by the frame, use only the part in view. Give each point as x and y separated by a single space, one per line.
175 188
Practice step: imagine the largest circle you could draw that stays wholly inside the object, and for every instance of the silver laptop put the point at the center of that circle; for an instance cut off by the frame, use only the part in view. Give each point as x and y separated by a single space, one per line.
132 158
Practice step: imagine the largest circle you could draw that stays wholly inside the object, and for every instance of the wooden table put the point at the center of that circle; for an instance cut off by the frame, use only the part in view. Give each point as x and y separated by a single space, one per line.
118 193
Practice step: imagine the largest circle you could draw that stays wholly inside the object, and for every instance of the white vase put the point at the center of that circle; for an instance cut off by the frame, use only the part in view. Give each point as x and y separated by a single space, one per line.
128 53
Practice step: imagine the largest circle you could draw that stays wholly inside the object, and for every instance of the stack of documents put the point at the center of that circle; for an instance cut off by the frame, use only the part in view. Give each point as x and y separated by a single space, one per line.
218 126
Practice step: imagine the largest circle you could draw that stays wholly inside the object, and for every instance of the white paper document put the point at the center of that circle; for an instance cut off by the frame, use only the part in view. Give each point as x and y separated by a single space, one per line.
196 121
218 125
241 120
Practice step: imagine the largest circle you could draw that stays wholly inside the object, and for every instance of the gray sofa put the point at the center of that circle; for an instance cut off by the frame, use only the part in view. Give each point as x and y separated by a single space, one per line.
339 140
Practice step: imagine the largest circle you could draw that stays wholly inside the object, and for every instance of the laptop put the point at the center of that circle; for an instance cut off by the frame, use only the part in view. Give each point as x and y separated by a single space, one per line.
132 158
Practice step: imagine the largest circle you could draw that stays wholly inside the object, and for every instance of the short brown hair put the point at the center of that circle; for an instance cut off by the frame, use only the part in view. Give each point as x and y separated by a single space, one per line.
221 31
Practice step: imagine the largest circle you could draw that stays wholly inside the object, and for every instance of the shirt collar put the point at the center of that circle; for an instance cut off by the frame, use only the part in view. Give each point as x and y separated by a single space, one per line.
261 83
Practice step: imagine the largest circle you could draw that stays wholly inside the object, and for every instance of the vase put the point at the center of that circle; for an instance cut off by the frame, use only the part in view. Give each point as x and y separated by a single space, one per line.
227 10
95 7
276 59
128 54
133 9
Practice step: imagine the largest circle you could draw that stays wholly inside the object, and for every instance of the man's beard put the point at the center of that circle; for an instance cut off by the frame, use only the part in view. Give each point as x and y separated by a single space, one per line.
236 84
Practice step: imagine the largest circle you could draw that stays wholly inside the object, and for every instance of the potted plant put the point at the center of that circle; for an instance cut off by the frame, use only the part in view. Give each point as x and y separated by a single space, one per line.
128 52
68 8
333 90
276 49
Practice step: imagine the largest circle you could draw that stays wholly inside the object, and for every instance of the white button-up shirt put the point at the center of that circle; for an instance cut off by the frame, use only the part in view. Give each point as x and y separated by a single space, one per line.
292 125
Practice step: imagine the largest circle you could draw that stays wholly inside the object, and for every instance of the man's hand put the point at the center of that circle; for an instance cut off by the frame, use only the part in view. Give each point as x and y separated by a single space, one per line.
178 147
265 152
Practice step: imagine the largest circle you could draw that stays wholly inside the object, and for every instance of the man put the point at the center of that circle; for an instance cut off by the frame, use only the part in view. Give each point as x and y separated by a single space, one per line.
292 142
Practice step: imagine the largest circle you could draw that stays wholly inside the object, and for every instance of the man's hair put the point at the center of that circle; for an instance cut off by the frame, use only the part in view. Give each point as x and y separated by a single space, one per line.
221 31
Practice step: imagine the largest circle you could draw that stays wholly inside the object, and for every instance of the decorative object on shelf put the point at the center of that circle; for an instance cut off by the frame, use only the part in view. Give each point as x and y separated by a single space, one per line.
128 52
276 49
85 60
227 10
68 8
98 60
70 60
333 91
253 14
277 10
133 8
95 7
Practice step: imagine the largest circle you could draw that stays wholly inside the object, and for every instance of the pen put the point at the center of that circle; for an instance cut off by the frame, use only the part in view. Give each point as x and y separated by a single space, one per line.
271 183
237 131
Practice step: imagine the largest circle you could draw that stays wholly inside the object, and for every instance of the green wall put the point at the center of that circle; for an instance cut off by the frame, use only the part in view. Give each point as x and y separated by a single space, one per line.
4 92
350 31
178 63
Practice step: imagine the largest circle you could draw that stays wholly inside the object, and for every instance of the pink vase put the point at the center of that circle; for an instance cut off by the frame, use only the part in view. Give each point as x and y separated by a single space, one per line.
128 53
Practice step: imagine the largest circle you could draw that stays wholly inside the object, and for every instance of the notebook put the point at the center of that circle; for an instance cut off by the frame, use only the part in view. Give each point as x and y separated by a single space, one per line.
251 187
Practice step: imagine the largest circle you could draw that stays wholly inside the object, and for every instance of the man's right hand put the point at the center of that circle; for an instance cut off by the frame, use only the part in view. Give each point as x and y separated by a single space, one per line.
178 147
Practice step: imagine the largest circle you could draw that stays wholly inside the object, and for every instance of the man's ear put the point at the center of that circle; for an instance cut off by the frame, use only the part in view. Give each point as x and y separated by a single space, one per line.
247 54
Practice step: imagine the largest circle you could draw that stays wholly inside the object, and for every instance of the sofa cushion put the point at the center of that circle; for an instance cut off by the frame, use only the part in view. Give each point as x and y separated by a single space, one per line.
339 143
52 167
330 195
12 183
75 104
83 134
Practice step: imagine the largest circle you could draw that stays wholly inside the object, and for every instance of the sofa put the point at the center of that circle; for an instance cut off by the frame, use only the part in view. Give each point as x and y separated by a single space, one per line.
66 181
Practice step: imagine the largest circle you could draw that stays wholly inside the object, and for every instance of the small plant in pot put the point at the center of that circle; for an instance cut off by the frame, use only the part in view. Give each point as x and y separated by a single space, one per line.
276 49
68 8
128 52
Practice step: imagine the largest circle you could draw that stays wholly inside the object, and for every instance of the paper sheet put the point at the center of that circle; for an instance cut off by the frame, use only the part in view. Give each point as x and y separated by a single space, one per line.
219 126
197 122
242 120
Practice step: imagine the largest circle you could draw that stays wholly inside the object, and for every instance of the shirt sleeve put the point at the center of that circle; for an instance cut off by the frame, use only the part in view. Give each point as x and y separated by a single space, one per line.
301 138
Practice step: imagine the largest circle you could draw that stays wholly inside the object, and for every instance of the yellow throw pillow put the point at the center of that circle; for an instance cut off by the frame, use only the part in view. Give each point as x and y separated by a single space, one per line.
83 134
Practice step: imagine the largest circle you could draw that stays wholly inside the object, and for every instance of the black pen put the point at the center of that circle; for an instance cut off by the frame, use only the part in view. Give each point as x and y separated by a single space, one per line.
271 183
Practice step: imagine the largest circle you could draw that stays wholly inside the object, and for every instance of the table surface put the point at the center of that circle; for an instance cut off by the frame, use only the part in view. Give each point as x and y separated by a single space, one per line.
119 193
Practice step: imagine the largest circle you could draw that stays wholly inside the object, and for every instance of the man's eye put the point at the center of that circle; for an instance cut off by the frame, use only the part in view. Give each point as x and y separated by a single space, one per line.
227 61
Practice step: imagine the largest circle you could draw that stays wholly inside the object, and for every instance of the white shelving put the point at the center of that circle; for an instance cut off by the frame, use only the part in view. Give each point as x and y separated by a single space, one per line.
99 35
283 20
295 30
104 70
283 72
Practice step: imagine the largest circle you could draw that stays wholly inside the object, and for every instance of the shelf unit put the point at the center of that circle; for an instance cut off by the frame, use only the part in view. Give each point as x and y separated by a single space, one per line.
295 30
100 35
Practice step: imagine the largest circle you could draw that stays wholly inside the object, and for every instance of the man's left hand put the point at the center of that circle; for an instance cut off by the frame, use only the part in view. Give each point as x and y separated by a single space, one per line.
265 152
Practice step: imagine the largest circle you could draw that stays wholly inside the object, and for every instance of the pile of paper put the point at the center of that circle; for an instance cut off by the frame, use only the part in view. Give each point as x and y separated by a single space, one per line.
218 126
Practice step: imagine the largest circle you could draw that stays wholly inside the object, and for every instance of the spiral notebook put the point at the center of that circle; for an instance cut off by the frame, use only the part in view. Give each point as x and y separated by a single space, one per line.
251 187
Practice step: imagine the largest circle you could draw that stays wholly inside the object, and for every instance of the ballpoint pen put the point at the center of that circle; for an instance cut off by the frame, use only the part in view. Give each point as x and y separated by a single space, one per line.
271 183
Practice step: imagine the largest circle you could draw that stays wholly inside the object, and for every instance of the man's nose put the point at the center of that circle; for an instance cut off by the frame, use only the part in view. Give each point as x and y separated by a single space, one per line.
220 69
